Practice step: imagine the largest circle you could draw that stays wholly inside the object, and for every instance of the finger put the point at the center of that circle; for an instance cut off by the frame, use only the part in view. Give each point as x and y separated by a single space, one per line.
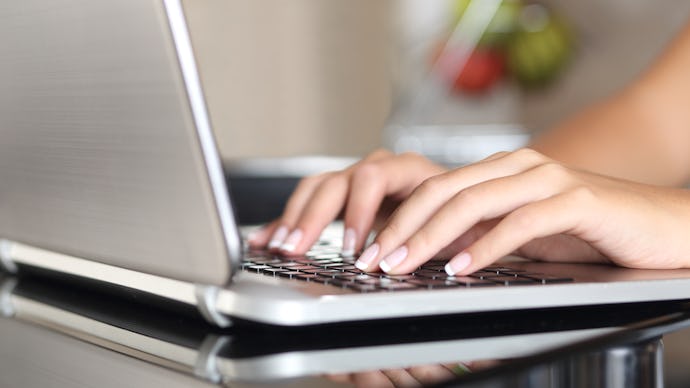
431 374
371 379
323 207
562 213
288 236
428 198
401 378
342 378
293 208
481 202
371 184
260 237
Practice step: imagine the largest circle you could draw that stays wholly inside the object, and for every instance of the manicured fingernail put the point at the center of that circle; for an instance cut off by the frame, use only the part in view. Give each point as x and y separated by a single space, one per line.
393 259
278 237
291 241
458 263
349 240
367 257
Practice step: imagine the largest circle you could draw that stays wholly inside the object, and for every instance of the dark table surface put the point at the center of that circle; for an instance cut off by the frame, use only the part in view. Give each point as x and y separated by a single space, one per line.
61 335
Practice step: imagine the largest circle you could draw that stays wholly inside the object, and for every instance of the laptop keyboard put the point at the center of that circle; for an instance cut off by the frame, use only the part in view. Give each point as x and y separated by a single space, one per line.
324 264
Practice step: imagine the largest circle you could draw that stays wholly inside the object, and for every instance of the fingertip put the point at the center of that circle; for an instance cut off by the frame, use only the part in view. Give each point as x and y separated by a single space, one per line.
289 245
259 237
278 237
459 264
393 260
299 240
367 258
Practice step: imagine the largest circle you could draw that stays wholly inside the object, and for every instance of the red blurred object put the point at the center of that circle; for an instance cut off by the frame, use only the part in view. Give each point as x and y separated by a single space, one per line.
483 69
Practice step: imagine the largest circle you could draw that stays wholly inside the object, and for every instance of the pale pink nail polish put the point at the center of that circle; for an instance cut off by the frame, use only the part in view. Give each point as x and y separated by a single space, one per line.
367 257
458 263
291 241
393 259
278 237
349 241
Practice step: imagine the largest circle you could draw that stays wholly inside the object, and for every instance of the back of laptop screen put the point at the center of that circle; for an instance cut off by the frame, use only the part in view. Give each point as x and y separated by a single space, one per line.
99 155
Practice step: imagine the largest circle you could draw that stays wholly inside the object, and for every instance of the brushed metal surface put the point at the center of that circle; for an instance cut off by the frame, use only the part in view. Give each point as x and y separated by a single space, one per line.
99 156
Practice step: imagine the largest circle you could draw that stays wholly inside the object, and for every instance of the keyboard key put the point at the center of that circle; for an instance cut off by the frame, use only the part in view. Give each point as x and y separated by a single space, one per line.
434 267
401 277
338 266
307 276
346 275
512 280
400 286
483 274
289 274
274 271
433 283
362 287
546 279
267 260
329 273
258 268
430 274
468 281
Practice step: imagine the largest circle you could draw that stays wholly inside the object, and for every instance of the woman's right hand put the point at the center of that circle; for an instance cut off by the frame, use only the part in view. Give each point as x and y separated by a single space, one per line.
367 192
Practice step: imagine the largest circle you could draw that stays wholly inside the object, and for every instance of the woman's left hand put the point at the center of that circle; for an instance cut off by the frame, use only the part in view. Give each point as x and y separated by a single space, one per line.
534 206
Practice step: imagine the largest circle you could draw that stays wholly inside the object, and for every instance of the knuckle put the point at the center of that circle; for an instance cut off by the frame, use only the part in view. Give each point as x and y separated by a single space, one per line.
411 154
497 155
312 180
582 194
367 172
333 179
467 196
553 171
380 152
529 154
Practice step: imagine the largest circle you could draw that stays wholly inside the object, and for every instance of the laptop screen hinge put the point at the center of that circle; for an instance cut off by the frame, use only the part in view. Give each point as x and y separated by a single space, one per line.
6 257
206 297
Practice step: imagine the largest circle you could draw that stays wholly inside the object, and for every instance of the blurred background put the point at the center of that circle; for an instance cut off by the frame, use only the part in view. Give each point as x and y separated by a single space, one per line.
455 80
343 77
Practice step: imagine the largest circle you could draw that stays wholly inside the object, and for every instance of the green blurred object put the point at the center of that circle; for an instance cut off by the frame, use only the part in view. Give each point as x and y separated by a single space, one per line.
502 25
540 48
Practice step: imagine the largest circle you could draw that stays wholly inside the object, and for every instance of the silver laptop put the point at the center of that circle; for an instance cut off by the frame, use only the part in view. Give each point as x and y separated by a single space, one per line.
109 172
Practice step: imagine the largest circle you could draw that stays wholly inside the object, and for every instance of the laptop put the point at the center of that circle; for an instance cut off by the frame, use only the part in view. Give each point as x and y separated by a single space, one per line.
109 173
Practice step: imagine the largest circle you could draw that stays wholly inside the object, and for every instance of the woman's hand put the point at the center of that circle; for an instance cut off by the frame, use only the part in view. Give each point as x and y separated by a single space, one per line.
367 190
527 203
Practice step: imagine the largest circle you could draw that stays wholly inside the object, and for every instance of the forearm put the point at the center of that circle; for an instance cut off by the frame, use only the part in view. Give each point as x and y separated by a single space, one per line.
642 133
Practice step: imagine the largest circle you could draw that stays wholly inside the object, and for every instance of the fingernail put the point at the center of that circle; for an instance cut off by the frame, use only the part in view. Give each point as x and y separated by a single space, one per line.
349 239
367 257
458 263
278 237
291 241
393 259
